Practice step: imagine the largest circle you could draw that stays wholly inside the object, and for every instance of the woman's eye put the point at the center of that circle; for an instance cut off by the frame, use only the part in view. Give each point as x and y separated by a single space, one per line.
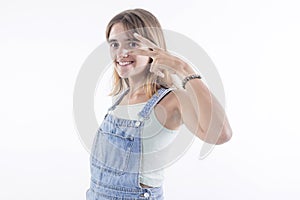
114 45
133 44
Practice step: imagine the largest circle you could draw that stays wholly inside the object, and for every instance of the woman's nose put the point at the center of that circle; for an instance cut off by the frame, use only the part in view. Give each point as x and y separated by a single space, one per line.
122 53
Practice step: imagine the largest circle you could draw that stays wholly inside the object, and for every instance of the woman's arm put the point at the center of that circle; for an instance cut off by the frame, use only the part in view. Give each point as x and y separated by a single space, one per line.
199 109
201 112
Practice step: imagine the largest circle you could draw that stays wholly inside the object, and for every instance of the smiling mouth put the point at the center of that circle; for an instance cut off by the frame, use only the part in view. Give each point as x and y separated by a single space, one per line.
124 63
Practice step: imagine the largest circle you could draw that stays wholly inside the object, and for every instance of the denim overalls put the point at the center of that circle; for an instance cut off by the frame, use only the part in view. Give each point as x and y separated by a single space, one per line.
116 155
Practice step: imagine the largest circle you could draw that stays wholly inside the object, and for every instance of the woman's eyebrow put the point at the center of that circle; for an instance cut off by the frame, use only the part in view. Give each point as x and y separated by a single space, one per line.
112 40
133 39
127 40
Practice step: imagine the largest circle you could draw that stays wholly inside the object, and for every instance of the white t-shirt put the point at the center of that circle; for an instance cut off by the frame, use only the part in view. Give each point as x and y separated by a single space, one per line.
155 138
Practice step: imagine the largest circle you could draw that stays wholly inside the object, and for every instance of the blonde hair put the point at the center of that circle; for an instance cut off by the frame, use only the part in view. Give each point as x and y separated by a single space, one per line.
146 24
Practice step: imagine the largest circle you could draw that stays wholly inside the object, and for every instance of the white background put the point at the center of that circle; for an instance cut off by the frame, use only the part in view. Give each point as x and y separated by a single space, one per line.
254 45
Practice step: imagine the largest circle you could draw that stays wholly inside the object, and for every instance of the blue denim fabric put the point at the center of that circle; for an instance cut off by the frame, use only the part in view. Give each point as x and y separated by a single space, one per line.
115 159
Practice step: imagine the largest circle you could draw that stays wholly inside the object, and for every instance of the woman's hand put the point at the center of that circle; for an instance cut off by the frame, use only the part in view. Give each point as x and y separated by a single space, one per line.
164 64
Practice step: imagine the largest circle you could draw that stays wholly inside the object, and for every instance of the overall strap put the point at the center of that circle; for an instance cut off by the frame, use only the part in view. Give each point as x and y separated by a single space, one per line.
153 101
119 99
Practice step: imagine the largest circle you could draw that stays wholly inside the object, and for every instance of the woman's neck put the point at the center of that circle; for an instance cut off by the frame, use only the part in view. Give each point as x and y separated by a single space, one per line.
136 91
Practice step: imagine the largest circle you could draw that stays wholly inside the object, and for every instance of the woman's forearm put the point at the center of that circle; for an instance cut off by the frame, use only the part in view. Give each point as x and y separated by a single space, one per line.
213 126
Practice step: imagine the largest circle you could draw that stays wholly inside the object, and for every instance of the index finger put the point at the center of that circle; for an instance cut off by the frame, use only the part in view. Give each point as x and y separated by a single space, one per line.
145 41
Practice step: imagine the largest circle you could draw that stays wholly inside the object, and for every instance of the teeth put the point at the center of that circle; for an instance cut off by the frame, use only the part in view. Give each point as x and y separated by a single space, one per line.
125 63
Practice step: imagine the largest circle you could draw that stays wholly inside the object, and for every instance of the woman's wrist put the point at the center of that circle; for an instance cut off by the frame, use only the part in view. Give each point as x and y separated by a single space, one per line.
186 70
184 74
188 78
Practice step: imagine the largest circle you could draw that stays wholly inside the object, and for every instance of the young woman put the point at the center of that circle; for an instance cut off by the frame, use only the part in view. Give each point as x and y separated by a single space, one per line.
149 108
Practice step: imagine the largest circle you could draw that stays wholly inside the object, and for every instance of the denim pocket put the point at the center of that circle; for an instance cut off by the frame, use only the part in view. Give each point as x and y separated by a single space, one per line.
111 150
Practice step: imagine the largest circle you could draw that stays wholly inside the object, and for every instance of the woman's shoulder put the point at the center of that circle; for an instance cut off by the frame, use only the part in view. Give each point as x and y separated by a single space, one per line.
170 100
168 110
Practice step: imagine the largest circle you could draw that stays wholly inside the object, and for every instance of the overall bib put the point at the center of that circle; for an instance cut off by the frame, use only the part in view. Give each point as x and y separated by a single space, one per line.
116 154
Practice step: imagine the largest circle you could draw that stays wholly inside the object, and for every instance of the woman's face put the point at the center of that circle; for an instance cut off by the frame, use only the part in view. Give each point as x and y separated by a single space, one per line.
120 42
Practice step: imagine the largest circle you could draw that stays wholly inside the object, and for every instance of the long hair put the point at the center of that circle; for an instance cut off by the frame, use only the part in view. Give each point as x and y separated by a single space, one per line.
146 24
